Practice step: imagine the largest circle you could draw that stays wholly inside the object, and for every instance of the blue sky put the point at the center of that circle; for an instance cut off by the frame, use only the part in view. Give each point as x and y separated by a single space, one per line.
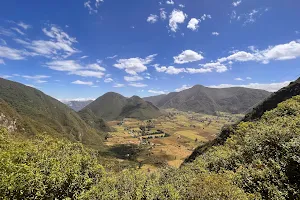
85 48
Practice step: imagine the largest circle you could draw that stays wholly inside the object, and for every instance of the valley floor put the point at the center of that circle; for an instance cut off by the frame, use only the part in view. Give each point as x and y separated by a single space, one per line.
165 141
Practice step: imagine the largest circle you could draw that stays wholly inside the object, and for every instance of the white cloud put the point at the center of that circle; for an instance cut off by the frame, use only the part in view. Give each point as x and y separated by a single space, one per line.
170 2
181 5
184 87
60 45
64 65
217 66
133 78
156 92
193 24
236 3
152 18
198 70
111 57
76 99
12 54
271 87
175 18
6 32
215 33
108 80
36 77
238 79
23 25
78 82
163 14
95 67
5 76
134 65
90 8
248 78
119 85
138 85
87 73
187 56
205 16
83 57
251 17
286 51
169 70
2 62
18 31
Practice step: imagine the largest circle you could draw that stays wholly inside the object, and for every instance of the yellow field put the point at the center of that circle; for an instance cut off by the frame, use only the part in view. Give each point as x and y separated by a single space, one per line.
183 132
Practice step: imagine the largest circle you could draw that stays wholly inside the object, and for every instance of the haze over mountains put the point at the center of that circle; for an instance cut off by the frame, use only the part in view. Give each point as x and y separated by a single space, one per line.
77 105
113 106
211 100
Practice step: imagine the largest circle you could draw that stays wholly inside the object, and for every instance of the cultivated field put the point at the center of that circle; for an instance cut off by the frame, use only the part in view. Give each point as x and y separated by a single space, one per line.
167 140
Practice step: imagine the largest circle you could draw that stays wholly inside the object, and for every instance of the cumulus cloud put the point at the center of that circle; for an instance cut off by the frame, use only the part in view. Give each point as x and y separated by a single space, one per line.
187 56
193 24
236 3
205 16
286 51
271 87
119 85
108 80
133 78
175 18
169 70
215 33
95 67
138 85
156 92
78 82
152 18
163 14
134 66
170 2
218 67
184 87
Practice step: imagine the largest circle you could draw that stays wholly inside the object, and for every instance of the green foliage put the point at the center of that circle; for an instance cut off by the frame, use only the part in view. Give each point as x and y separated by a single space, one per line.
260 160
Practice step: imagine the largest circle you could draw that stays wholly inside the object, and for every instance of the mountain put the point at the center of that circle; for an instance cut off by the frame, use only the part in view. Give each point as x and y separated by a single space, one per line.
77 105
113 106
211 100
293 89
37 112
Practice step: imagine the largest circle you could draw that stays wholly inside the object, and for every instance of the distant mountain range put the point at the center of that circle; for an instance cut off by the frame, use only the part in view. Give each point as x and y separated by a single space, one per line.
113 106
207 100
34 112
77 105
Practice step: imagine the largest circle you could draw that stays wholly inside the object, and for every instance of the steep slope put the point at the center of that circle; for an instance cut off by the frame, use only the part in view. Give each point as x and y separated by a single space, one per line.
112 106
211 100
270 103
77 105
44 114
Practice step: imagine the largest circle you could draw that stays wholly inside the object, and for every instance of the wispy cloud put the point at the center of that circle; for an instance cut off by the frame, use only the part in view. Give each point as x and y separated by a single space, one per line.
78 82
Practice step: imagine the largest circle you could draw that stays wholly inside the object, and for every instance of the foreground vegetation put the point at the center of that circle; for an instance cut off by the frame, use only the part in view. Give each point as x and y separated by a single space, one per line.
261 160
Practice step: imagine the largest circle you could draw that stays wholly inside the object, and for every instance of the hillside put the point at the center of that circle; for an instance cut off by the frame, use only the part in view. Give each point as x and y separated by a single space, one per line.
211 100
40 113
270 103
259 161
113 106
77 105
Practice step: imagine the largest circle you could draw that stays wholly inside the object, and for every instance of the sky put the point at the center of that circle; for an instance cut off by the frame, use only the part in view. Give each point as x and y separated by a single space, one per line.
82 49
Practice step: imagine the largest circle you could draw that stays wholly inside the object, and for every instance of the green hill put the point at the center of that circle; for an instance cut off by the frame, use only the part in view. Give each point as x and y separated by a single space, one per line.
40 113
211 100
113 106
